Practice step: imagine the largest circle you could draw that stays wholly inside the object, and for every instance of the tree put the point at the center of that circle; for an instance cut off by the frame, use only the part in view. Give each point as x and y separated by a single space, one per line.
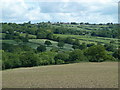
87 23
27 48
109 47
76 56
18 41
81 23
46 58
93 34
116 54
60 44
41 35
58 61
75 47
69 40
48 43
10 60
49 36
91 44
96 53
55 49
76 42
41 48
29 22
10 47
61 56
82 46
24 39
28 59
59 39
74 23
8 36
112 41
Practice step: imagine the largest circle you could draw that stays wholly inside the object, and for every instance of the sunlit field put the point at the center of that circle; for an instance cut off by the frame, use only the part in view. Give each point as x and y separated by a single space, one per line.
79 75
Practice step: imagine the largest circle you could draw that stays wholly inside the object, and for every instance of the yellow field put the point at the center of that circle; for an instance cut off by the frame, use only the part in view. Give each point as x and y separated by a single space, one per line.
80 75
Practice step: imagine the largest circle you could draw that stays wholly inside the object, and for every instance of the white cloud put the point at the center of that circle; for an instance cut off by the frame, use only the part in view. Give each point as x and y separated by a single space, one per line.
12 10
79 11
36 15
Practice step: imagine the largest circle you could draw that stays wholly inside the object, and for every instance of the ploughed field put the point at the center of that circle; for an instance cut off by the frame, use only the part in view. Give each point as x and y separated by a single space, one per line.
79 75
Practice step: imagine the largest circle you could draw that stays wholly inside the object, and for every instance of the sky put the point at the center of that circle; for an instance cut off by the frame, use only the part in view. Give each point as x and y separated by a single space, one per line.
92 11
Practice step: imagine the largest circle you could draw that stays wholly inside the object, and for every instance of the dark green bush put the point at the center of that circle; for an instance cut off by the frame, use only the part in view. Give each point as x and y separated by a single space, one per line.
76 56
10 60
58 61
61 56
41 48
28 59
96 53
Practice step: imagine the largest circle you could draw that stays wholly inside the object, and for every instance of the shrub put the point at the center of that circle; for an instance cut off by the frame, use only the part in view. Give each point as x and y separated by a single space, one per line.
116 54
41 48
69 40
82 46
76 56
60 44
58 61
75 47
109 47
91 44
96 53
46 58
10 60
28 59
76 42
54 49
61 56
48 43
110 58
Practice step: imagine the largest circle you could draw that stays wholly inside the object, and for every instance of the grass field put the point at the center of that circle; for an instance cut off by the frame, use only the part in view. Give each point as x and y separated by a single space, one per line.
54 44
87 28
34 43
2 35
79 75
29 35
8 41
90 39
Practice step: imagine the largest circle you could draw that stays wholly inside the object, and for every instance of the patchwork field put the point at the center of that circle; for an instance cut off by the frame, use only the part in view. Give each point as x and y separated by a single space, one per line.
54 44
29 35
79 75
34 43
90 39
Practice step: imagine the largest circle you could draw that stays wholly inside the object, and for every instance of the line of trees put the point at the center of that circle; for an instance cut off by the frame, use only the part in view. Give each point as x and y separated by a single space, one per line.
20 55
15 56
45 30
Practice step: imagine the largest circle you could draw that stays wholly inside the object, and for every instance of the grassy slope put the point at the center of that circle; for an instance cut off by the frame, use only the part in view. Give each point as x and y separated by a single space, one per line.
34 43
29 35
90 39
54 44
82 75
9 41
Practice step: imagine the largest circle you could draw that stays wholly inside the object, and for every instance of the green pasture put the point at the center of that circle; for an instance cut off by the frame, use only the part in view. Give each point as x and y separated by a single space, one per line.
54 44
29 35
90 39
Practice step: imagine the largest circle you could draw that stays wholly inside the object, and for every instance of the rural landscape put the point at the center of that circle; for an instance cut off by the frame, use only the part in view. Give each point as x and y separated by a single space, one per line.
59 44
60 55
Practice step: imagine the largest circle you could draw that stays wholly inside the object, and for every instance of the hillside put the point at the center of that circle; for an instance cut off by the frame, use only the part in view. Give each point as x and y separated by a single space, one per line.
45 43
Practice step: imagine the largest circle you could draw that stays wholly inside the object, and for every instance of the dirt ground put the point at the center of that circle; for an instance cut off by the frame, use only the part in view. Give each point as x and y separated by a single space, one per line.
80 75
